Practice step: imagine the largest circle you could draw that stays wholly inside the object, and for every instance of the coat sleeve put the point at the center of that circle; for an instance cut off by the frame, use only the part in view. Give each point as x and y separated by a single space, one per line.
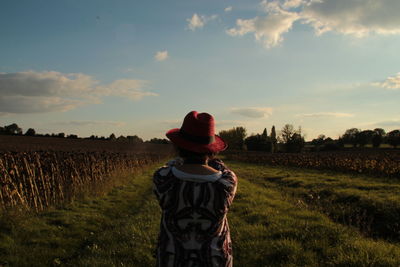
163 181
228 180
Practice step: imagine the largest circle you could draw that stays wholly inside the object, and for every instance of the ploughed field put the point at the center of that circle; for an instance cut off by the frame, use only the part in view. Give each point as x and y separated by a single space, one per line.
281 216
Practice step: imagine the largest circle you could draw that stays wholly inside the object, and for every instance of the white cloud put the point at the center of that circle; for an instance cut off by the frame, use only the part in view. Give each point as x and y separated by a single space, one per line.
197 21
161 55
253 112
36 104
172 123
90 123
125 88
353 17
387 124
392 82
47 83
267 29
34 92
231 123
326 115
293 4
228 9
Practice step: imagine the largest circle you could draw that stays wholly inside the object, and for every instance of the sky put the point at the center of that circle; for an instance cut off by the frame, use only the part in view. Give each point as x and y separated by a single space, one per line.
138 67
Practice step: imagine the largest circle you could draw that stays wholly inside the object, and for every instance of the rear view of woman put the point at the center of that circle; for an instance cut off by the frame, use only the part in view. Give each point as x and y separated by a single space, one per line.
195 192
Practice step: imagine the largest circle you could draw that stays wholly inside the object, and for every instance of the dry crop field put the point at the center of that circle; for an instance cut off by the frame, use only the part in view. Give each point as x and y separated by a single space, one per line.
380 162
29 143
38 172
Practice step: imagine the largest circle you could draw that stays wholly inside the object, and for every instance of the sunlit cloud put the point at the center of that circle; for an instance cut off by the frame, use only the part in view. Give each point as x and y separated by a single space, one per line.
326 115
48 91
253 112
351 17
385 124
161 55
229 123
392 82
90 123
292 3
198 21
173 123
354 17
269 29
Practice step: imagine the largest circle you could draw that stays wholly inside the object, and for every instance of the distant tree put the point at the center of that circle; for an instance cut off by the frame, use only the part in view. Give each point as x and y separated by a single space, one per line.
30 132
121 138
234 137
380 131
72 136
286 133
393 138
364 137
319 141
350 136
61 135
292 139
158 141
2 130
323 143
12 129
134 139
112 137
258 142
264 134
330 144
378 137
274 140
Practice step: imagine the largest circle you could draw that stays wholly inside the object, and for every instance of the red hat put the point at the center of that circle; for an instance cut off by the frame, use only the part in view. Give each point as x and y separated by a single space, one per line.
197 134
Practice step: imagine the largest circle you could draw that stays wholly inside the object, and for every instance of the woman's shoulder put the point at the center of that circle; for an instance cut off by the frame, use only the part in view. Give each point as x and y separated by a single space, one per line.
167 168
228 176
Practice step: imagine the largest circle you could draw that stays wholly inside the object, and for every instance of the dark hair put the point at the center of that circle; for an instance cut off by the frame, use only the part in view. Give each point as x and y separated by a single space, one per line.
194 157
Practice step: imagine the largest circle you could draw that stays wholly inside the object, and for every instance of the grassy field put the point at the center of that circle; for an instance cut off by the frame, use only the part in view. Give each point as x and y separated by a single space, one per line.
271 220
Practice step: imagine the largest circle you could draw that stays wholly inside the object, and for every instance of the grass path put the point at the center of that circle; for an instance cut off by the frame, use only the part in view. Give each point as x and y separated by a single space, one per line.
120 229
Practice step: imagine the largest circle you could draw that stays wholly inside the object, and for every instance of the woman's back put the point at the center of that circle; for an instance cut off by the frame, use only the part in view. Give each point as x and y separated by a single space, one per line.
194 230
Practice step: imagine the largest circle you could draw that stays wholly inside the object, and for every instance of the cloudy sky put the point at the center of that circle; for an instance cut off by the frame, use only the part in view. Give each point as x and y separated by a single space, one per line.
138 67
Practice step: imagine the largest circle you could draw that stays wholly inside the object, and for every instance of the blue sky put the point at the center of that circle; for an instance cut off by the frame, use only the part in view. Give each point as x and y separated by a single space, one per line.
138 67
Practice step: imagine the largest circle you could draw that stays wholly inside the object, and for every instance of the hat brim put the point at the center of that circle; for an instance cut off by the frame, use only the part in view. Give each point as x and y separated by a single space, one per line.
176 138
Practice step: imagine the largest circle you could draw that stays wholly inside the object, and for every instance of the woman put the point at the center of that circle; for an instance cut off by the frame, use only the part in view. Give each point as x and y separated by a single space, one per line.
195 192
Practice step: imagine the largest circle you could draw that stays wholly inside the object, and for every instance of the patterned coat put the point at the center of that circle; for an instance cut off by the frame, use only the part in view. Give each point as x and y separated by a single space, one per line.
194 229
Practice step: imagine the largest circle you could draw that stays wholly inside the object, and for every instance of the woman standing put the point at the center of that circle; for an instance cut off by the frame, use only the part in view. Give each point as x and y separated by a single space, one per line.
195 192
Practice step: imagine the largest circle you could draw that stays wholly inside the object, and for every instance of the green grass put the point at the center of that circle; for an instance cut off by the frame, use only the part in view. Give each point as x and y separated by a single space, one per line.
368 203
268 227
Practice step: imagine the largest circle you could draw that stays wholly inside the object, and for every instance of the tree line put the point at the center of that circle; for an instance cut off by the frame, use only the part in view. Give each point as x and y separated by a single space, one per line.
358 138
14 129
291 139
